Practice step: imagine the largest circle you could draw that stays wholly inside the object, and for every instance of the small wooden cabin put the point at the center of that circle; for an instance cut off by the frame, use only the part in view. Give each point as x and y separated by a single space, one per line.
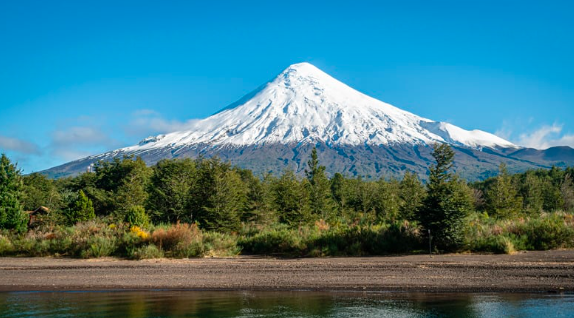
34 215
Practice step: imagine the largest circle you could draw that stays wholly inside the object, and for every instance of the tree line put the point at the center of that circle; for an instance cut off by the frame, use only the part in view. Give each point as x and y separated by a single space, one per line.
220 197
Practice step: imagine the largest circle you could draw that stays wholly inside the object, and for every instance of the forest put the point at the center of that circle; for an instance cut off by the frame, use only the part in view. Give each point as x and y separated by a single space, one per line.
205 207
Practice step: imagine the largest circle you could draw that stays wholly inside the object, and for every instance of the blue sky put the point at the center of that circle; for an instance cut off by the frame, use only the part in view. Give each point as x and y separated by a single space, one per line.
83 77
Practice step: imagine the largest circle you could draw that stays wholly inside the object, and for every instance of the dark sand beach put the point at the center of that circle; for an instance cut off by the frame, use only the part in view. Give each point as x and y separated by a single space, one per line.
549 271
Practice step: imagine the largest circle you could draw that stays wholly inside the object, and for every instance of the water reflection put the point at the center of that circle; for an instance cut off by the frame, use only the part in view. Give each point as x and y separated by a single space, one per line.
280 304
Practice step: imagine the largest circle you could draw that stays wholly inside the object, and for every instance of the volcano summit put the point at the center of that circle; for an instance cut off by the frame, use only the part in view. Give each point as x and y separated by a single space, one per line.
275 127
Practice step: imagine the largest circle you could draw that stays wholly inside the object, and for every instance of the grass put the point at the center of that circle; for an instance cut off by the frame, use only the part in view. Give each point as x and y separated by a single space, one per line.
544 232
342 240
99 238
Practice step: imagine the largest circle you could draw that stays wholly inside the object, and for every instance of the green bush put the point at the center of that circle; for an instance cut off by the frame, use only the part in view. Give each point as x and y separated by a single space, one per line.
543 232
274 241
494 244
6 247
547 232
220 244
146 252
99 246
136 216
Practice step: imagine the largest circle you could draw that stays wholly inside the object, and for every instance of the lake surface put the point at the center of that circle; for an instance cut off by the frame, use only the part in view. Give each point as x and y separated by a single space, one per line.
138 304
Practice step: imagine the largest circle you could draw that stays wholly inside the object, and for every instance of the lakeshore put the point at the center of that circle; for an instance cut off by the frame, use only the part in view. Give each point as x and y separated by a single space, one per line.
537 271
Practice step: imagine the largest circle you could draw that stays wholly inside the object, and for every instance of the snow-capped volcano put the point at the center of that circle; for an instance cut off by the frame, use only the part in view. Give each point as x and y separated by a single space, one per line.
276 126
305 105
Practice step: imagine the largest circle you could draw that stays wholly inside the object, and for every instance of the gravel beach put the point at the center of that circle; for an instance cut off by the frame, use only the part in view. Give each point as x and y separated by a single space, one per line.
549 271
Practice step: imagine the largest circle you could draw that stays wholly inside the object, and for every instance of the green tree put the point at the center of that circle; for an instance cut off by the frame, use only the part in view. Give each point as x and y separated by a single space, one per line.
137 216
81 209
361 195
257 206
337 190
502 198
567 191
171 189
38 191
226 202
412 192
447 203
318 187
531 193
290 199
116 185
132 188
11 214
388 199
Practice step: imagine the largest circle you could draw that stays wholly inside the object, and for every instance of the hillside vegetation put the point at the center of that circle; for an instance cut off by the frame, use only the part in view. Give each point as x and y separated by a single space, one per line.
188 208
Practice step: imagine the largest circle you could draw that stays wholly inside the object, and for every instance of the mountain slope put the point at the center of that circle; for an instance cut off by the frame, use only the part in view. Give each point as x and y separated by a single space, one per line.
275 126
304 104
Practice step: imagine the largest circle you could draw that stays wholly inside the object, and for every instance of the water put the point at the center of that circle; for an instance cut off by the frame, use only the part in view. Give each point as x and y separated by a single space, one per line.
138 304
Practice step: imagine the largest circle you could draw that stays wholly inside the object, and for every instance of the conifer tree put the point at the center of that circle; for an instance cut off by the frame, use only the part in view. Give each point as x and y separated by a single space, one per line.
447 203
319 196
137 216
81 209
531 193
171 190
226 202
131 188
290 199
337 190
388 199
502 197
11 214
567 191
412 193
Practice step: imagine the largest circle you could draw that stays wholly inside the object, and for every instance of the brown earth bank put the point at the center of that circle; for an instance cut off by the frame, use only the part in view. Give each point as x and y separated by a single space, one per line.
548 271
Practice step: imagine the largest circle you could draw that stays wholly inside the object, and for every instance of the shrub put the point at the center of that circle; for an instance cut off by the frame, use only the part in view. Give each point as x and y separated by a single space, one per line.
81 209
99 246
136 216
547 231
494 244
275 241
147 251
179 240
6 247
220 244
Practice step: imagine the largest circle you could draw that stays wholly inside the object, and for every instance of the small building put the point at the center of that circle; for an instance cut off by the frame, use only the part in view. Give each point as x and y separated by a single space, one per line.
34 216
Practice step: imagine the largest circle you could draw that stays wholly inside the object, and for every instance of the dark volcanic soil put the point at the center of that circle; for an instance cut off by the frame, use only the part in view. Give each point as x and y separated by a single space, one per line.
550 271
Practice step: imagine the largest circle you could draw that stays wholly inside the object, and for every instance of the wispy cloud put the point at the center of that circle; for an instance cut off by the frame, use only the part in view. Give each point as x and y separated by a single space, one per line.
524 133
19 146
147 121
545 137
80 135
80 141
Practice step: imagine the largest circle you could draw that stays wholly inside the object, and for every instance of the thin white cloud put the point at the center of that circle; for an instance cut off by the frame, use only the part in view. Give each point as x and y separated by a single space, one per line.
80 141
79 135
71 154
505 132
146 122
545 137
145 112
18 145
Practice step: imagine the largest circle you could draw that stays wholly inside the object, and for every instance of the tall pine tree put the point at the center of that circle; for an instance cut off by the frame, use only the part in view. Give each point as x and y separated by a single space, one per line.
502 198
447 203
11 215
319 187
412 192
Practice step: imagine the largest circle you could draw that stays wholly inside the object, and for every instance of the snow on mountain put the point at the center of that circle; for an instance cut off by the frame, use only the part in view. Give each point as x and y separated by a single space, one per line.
305 105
